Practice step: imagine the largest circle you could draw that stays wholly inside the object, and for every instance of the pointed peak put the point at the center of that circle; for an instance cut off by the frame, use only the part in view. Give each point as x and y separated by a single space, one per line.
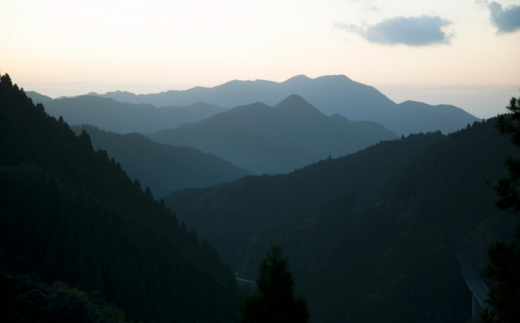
293 99
296 103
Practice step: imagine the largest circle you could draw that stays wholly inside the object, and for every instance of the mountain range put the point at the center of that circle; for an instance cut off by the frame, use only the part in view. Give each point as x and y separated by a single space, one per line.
111 115
276 139
333 94
373 236
252 202
163 168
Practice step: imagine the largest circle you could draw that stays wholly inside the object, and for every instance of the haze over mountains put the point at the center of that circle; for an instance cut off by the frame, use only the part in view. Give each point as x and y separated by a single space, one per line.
111 115
163 168
329 94
373 220
276 139
254 201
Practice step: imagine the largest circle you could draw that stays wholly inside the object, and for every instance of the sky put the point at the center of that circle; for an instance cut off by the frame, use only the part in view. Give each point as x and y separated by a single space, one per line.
463 52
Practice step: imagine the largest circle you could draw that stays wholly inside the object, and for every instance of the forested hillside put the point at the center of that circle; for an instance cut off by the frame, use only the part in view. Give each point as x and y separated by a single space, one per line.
229 214
381 252
71 214
163 168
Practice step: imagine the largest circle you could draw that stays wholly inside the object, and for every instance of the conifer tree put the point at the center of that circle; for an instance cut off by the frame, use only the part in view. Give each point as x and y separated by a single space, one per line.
274 301
504 257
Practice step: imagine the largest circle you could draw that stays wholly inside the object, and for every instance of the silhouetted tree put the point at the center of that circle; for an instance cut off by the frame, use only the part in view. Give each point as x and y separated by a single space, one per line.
504 257
274 301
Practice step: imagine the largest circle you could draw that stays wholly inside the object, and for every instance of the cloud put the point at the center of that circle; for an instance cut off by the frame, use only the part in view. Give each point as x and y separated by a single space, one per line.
411 31
506 21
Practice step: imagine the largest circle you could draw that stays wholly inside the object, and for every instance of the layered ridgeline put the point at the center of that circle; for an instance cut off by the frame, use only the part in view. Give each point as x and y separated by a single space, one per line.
361 256
111 115
229 214
71 214
276 139
329 94
163 168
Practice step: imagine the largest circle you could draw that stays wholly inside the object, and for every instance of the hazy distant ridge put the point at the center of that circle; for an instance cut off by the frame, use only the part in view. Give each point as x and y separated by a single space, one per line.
163 168
329 94
276 139
111 115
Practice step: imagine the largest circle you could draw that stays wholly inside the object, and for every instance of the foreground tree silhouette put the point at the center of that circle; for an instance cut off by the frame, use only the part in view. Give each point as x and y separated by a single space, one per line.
274 301
504 257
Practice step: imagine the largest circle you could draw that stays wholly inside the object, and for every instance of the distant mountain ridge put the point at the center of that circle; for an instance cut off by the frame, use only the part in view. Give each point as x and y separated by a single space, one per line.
37 97
332 94
163 168
276 139
111 115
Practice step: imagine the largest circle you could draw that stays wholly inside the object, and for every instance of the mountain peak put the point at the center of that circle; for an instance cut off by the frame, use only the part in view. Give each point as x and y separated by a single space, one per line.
298 78
337 77
296 103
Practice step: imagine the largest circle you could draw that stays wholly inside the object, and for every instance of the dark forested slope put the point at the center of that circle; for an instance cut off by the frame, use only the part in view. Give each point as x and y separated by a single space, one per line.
163 168
276 139
396 260
229 214
373 236
68 213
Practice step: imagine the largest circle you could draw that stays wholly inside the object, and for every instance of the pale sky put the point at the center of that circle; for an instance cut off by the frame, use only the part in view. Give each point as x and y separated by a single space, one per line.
461 52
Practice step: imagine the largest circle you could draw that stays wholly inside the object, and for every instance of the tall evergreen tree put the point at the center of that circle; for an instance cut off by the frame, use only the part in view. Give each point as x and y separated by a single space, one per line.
504 257
274 301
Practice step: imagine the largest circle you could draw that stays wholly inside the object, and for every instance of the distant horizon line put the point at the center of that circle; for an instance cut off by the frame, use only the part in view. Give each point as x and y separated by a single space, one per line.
185 87
482 101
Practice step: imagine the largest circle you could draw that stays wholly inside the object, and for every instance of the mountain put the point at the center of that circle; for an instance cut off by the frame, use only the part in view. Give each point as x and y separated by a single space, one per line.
111 115
416 116
373 236
70 214
163 168
37 97
276 139
333 94
229 214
